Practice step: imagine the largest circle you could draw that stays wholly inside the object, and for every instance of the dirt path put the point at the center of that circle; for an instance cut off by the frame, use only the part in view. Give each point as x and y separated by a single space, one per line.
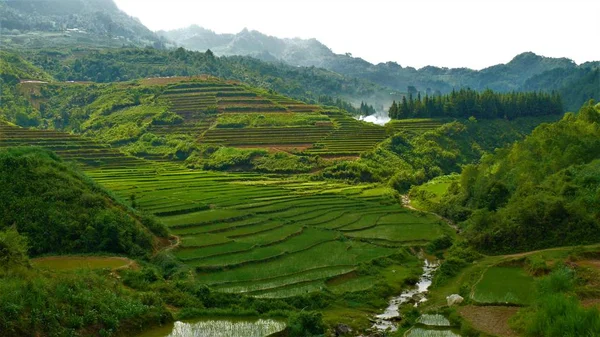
175 241
406 203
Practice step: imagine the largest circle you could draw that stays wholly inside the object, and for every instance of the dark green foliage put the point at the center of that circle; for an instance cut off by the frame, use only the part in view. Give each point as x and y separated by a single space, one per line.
538 193
61 211
441 243
13 250
467 103
364 109
575 86
305 324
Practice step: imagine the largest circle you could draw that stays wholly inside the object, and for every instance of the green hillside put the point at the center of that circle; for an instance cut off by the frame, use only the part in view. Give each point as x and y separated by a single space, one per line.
62 211
546 184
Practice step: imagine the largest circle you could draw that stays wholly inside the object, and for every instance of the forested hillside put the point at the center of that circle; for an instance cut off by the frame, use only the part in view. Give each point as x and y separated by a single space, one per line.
574 86
540 192
62 211
466 103
129 63
35 24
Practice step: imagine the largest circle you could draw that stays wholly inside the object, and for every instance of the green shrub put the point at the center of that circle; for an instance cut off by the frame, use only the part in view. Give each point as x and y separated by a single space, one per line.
13 250
305 323
167 118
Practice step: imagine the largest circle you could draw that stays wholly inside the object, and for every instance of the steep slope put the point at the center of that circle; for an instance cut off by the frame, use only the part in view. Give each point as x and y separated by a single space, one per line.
62 211
538 193
35 24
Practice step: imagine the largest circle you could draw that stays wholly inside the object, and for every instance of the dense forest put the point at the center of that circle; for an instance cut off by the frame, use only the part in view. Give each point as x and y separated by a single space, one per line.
466 103
540 192
44 198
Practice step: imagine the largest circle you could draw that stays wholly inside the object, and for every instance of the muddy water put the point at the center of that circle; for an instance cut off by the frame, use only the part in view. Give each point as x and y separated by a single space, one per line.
222 327
386 320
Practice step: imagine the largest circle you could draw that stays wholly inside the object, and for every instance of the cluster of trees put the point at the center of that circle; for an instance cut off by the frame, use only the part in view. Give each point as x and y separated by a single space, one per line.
364 110
61 211
465 103
540 192
575 86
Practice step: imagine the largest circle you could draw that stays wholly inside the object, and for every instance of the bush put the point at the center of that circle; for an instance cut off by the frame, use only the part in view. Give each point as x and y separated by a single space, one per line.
13 250
167 118
305 323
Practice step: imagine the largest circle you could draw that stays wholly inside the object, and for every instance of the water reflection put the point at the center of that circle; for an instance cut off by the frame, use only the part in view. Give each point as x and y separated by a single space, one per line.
219 328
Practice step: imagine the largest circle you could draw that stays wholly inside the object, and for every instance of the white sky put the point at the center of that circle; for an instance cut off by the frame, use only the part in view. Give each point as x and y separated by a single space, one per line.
474 34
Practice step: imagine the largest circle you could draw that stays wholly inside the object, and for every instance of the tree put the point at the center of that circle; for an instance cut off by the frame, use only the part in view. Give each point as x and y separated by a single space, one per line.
13 249
393 111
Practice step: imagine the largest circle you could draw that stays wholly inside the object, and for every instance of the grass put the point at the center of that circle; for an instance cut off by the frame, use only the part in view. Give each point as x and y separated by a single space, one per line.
509 285
68 263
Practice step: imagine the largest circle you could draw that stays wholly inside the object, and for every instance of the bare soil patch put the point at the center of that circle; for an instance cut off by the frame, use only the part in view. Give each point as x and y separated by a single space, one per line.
589 263
492 320
591 302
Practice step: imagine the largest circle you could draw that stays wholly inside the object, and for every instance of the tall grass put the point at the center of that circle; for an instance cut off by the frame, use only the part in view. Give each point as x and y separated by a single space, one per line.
556 311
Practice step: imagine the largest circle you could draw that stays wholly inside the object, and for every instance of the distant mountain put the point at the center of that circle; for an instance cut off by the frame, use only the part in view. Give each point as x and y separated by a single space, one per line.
299 52
48 23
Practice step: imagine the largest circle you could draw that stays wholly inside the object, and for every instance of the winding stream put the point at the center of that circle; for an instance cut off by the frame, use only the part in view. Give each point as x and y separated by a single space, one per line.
386 320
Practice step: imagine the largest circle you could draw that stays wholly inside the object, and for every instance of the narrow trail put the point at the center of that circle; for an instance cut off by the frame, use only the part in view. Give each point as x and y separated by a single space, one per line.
406 204
174 240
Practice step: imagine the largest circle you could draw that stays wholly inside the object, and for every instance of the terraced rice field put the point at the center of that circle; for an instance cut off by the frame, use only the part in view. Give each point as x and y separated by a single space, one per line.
418 125
201 102
350 137
69 147
267 237
504 285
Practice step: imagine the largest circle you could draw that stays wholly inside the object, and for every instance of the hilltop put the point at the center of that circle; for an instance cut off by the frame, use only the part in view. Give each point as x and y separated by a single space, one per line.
36 24
299 52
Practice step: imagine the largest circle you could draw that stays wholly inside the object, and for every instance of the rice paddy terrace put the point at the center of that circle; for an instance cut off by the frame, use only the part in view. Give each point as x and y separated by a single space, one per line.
227 113
417 125
265 236
269 237
69 147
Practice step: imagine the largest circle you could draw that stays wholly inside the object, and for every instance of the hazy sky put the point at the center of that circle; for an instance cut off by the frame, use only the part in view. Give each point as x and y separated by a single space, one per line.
475 34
